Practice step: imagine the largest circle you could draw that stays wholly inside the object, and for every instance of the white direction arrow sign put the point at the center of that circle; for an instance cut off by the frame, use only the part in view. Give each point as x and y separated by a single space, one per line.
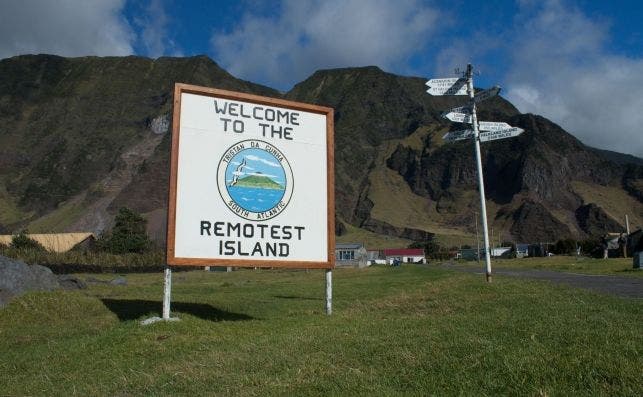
486 94
492 126
448 86
460 109
487 136
457 135
482 125
459 117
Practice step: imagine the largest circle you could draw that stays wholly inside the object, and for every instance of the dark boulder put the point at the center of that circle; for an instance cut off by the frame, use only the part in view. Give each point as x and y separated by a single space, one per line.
16 278
69 282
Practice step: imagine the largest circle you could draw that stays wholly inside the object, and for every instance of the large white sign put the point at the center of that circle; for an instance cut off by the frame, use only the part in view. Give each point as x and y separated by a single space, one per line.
252 181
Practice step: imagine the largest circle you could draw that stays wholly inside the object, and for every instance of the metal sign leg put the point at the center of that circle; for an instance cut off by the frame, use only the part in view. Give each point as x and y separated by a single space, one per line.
167 291
329 292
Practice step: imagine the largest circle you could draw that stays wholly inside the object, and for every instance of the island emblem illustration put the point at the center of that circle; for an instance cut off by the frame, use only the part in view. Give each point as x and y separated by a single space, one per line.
255 180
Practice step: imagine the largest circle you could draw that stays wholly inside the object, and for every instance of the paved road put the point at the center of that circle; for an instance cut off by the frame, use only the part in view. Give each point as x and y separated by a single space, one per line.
629 287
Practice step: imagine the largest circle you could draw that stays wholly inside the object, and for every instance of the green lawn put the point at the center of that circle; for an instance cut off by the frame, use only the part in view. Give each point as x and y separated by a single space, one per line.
415 330
570 264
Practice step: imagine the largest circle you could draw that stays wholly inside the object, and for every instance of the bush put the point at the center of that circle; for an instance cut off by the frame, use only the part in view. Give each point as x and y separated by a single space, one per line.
22 242
591 248
432 250
565 247
128 234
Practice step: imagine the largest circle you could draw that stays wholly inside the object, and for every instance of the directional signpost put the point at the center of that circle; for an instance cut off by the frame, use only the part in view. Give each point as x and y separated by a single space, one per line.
492 126
459 109
457 135
458 117
449 86
487 136
491 131
486 94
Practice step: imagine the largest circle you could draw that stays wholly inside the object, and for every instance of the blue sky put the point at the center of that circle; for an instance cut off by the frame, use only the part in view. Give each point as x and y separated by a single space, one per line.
577 62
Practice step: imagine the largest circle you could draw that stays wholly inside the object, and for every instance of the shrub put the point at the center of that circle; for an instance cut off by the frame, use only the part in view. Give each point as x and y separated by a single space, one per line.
591 248
565 247
432 250
22 242
128 234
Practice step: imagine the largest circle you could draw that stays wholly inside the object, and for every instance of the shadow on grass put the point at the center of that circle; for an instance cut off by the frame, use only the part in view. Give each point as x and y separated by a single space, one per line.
297 297
132 309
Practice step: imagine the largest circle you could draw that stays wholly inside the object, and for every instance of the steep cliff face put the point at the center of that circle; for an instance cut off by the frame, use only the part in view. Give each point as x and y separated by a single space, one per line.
594 221
373 107
370 106
81 137
529 178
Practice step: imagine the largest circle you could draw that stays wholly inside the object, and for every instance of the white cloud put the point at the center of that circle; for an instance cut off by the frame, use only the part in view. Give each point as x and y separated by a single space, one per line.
153 34
154 31
64 27
564 69
307 35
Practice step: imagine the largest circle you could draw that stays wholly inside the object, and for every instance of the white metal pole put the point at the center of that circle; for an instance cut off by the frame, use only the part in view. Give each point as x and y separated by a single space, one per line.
166 293
329 292
627 225
476 140
477 240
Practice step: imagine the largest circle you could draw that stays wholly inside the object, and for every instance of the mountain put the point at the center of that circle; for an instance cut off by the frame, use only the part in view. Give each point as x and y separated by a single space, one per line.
81 137
394 169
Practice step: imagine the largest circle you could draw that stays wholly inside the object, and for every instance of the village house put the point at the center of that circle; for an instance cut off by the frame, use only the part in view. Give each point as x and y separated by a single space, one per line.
350 254
404 255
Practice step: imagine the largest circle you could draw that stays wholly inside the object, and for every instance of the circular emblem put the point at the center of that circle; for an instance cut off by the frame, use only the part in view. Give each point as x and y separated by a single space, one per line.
254 180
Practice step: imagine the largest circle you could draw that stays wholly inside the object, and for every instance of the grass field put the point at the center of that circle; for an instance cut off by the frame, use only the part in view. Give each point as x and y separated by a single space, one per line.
571 264
416 330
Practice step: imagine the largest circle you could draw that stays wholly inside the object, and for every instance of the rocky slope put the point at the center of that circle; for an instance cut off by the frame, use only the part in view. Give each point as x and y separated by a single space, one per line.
530 180
80 137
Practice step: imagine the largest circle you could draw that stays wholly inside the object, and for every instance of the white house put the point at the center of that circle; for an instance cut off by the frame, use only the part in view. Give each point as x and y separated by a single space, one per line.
350 254
404 255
